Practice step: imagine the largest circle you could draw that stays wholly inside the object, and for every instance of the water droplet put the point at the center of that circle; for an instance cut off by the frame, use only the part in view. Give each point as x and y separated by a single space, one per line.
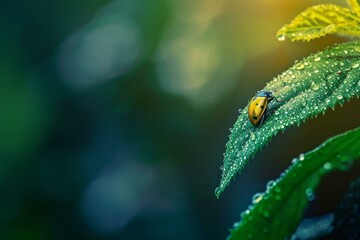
310 194
236 224
301 157
252 136
315 87
281 37
317 59
300 66
339 97
294 160
257 198
345 162
355 65
327 101
270 184
327 166
330 27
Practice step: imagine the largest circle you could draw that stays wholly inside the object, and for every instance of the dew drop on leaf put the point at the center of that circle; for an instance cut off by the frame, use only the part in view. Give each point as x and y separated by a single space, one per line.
245 213
317 59
301 157
300 66
330 27
281 37
327 166
315 87
310 194
252 137
339 97
270 184
236 224
344 162
257 198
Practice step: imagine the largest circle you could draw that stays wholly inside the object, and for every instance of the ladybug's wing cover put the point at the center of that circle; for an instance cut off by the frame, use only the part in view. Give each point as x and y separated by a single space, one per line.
258 107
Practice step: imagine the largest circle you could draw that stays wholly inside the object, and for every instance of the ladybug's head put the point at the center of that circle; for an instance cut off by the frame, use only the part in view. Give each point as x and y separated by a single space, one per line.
263 93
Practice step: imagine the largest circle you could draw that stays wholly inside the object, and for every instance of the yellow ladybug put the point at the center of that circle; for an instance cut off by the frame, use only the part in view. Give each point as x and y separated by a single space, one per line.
258 107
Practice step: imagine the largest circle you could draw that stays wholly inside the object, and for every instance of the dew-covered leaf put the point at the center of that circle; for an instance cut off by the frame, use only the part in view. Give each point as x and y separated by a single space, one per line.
308 88
320 20
276 213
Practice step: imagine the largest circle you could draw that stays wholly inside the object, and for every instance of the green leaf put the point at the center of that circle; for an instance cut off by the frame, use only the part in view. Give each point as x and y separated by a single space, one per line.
276 213
320 20
307 89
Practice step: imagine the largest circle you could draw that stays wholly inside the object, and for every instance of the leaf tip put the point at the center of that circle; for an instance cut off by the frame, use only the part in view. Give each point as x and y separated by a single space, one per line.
218 191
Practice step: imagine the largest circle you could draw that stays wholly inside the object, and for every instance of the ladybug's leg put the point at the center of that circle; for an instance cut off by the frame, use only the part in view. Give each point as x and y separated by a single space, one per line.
269 112
262 118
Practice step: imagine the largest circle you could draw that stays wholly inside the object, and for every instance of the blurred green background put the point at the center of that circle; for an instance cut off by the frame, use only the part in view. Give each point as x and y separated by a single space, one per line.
114 115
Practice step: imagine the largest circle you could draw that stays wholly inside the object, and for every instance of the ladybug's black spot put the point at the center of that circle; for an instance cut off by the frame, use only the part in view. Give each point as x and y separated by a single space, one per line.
256 104
254 117
262 107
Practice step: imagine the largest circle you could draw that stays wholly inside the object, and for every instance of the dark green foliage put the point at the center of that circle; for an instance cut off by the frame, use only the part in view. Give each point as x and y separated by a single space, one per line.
347 215
276 213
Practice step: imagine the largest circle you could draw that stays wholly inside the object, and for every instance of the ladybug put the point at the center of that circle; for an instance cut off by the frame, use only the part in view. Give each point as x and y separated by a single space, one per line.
258 107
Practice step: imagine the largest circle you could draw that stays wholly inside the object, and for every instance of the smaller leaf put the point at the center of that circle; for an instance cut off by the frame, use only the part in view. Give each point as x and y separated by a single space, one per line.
321 20
276 213
355 6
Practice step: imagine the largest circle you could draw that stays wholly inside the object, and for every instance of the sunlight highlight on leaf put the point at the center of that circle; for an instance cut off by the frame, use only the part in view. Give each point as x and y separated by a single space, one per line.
279 211
308 88
321 20
354 4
